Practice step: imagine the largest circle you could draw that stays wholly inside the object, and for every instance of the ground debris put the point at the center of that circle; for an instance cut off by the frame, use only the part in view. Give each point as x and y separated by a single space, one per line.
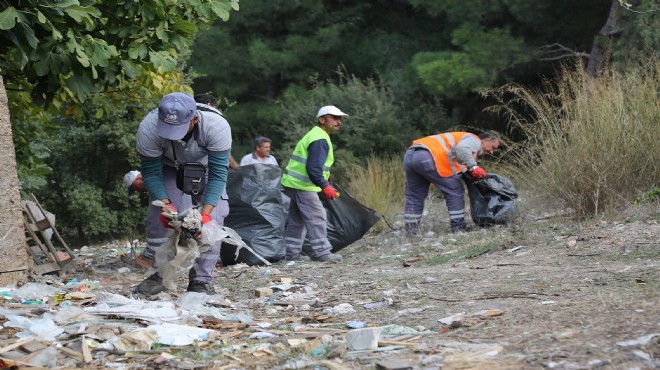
427 314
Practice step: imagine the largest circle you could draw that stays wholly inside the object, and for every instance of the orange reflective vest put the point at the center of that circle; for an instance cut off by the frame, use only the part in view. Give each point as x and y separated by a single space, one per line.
443 150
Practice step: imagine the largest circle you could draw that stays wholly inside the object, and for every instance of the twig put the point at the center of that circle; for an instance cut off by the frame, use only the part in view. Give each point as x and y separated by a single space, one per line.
583 255
558 51
387 222
239 274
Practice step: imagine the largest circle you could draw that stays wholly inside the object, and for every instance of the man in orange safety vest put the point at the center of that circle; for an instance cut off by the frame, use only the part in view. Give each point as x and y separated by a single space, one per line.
440 160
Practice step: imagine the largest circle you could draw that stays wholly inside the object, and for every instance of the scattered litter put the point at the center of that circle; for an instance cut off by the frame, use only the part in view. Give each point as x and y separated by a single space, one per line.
641 341
376 305
356 324
262 335
340 309
547 302
363 339
458 317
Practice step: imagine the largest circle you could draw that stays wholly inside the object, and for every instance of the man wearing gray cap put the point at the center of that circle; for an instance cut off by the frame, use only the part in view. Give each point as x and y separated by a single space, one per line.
177 132
304 177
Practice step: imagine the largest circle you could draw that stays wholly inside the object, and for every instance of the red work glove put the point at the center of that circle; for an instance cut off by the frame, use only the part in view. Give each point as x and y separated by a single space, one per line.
205 218
169 207
478 173
330 192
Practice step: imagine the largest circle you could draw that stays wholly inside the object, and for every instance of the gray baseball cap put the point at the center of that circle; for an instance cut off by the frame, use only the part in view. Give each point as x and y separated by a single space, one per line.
175 112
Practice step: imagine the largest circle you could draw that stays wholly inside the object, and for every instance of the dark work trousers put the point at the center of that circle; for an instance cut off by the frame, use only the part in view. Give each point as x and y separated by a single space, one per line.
420 174
204 265
307 217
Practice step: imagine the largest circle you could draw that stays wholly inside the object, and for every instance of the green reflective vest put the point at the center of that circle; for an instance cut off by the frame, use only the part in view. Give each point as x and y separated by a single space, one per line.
295 174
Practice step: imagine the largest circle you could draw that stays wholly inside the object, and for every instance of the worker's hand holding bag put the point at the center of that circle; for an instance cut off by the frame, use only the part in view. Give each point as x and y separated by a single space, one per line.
330 192
477 173
167 213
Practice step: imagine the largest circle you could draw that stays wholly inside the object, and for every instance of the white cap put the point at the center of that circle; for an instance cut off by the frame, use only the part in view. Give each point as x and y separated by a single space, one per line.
330 109
128 180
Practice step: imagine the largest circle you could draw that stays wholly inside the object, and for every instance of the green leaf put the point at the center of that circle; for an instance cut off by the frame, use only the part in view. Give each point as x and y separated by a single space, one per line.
185 26
161 32
221 8
65 3
41 17
130 69
28 32
8 18
82 14
81 84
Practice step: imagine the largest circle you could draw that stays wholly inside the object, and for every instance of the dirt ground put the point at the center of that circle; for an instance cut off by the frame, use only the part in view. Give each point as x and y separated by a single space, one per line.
546 292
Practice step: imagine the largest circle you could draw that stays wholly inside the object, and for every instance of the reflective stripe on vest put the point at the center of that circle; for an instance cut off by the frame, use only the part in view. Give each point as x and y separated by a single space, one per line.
295 174
442 148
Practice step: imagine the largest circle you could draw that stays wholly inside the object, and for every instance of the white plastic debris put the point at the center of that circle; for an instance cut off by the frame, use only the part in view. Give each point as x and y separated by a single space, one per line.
340 309
363 339
45 328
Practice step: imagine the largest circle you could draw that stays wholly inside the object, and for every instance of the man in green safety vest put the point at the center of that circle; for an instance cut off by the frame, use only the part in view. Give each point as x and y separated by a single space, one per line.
307 174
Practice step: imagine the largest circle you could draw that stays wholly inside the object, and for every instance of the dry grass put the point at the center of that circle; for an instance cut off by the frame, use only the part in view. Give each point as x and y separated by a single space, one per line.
593 143
379 185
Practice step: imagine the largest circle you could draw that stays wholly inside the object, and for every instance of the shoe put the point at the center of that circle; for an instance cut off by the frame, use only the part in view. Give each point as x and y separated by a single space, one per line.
330 257
143 261
151 285
200 287
298 258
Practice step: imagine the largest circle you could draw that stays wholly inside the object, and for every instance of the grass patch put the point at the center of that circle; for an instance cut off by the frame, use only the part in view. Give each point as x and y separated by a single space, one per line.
591 143
379 185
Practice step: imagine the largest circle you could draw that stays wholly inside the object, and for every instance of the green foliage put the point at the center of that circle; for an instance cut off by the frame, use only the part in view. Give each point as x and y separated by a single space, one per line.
491 42
592 143
85 189
56 54
639 38
271 47
85 46
652 195
375 125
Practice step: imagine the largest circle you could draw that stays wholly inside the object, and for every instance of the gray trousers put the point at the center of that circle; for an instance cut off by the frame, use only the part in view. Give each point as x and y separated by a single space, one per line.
420 174
307 217
204 265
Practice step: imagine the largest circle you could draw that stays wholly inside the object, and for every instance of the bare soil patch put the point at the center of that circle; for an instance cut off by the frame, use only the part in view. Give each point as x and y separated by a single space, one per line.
546 292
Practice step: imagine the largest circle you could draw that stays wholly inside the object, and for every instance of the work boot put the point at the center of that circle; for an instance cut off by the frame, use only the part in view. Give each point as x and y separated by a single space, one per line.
330 257
144 261
151 285
200 287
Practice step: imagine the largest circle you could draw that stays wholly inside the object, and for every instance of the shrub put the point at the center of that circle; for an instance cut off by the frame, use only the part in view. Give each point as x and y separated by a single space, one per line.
591 143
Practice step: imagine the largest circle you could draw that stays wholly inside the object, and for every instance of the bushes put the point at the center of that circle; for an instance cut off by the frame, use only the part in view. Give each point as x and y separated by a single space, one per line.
592 143
377 125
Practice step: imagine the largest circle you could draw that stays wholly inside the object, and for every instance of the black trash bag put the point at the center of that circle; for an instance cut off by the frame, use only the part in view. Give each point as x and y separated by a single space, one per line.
258 210
492 200
348 220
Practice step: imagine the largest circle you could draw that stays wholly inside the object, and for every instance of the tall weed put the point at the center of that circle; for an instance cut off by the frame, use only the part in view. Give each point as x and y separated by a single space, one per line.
379 185
591 143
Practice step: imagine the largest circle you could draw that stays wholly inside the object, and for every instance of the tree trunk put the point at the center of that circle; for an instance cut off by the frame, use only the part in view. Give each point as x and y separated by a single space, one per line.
609 29
14 261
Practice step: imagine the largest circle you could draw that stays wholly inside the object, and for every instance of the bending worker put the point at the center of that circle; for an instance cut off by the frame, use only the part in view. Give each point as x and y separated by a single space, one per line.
179 132
440 160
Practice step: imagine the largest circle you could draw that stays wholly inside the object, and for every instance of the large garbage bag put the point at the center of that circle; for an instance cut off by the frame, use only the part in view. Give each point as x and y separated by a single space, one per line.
348 220
492 200
257 212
